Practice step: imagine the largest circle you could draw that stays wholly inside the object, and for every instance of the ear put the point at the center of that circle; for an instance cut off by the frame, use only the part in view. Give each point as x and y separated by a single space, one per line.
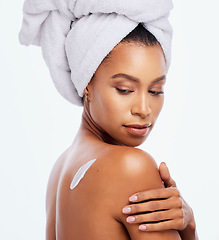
87 94
86 91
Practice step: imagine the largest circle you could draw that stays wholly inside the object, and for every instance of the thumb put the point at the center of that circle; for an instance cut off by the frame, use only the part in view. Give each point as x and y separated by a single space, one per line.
165 176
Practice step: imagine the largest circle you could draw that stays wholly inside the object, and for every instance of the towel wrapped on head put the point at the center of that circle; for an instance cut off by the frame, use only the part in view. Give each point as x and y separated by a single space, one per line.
76 35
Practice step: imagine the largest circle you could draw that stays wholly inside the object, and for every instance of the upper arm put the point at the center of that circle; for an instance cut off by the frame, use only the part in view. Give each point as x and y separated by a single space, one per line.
137 172
132 171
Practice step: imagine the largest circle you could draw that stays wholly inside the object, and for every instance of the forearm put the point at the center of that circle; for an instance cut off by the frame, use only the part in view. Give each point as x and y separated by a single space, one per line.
190 232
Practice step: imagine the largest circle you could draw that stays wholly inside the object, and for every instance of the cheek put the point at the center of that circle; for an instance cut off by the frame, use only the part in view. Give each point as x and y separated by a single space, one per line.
105 107
110 110
157 105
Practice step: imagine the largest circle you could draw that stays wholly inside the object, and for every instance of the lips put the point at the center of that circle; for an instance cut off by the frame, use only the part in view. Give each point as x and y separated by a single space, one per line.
138 130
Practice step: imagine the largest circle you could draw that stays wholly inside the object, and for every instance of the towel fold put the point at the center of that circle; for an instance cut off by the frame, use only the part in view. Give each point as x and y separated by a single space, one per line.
76 35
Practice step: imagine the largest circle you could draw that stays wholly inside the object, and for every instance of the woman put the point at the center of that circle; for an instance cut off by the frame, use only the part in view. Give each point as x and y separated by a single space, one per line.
93 179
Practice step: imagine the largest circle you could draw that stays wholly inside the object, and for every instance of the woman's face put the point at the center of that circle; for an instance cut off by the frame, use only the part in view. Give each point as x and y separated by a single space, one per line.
126 93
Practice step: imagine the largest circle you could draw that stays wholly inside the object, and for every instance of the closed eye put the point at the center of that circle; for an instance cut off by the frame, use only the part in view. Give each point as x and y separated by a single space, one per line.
156 92
124 91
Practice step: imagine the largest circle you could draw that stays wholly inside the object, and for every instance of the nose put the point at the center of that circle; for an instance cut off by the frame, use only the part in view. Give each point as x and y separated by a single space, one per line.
141 106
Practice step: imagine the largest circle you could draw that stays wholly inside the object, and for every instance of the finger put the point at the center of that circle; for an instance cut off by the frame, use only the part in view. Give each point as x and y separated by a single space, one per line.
164 171
165 175
156 216
176 224
151 206
161 193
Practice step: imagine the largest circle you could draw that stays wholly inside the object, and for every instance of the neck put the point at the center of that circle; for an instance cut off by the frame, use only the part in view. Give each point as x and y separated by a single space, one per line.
89 126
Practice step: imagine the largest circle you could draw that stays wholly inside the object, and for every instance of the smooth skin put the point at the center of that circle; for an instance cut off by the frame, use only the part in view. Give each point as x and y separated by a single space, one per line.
183 219
127 89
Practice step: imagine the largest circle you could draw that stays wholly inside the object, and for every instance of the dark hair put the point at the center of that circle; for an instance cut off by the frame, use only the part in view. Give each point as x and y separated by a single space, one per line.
141 35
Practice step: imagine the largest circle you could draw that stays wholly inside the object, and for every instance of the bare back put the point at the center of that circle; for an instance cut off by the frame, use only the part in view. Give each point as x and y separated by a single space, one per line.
92 210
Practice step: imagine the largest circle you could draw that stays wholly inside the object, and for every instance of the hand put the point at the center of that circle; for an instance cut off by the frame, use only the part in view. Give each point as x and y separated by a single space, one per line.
160 209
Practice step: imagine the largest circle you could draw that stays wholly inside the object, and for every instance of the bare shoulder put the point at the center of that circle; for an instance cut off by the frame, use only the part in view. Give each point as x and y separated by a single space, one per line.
133 161
129 157
128 170
117 174
101 194
125 164
124 171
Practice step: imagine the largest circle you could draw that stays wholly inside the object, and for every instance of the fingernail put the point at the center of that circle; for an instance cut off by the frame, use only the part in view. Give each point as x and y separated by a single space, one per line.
133 198
126 210
130 219
142 227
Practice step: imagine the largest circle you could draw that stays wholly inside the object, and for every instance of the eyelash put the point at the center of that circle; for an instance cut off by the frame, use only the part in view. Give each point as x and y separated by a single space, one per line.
155 93
125 92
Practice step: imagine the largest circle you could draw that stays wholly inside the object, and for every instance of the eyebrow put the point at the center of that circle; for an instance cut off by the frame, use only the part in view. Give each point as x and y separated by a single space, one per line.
135 79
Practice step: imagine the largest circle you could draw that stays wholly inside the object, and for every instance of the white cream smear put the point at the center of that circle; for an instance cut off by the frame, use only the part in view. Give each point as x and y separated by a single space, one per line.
80 173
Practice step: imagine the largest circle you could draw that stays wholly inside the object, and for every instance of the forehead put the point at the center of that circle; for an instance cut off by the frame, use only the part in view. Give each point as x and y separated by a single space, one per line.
135 59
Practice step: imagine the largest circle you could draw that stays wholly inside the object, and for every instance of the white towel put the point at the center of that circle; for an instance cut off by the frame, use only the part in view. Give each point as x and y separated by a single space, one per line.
76 35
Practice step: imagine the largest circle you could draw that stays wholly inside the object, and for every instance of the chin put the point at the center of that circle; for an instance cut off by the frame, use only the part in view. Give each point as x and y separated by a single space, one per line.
133 142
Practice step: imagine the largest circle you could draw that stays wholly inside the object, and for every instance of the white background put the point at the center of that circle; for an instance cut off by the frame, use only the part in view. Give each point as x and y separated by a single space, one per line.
37 124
